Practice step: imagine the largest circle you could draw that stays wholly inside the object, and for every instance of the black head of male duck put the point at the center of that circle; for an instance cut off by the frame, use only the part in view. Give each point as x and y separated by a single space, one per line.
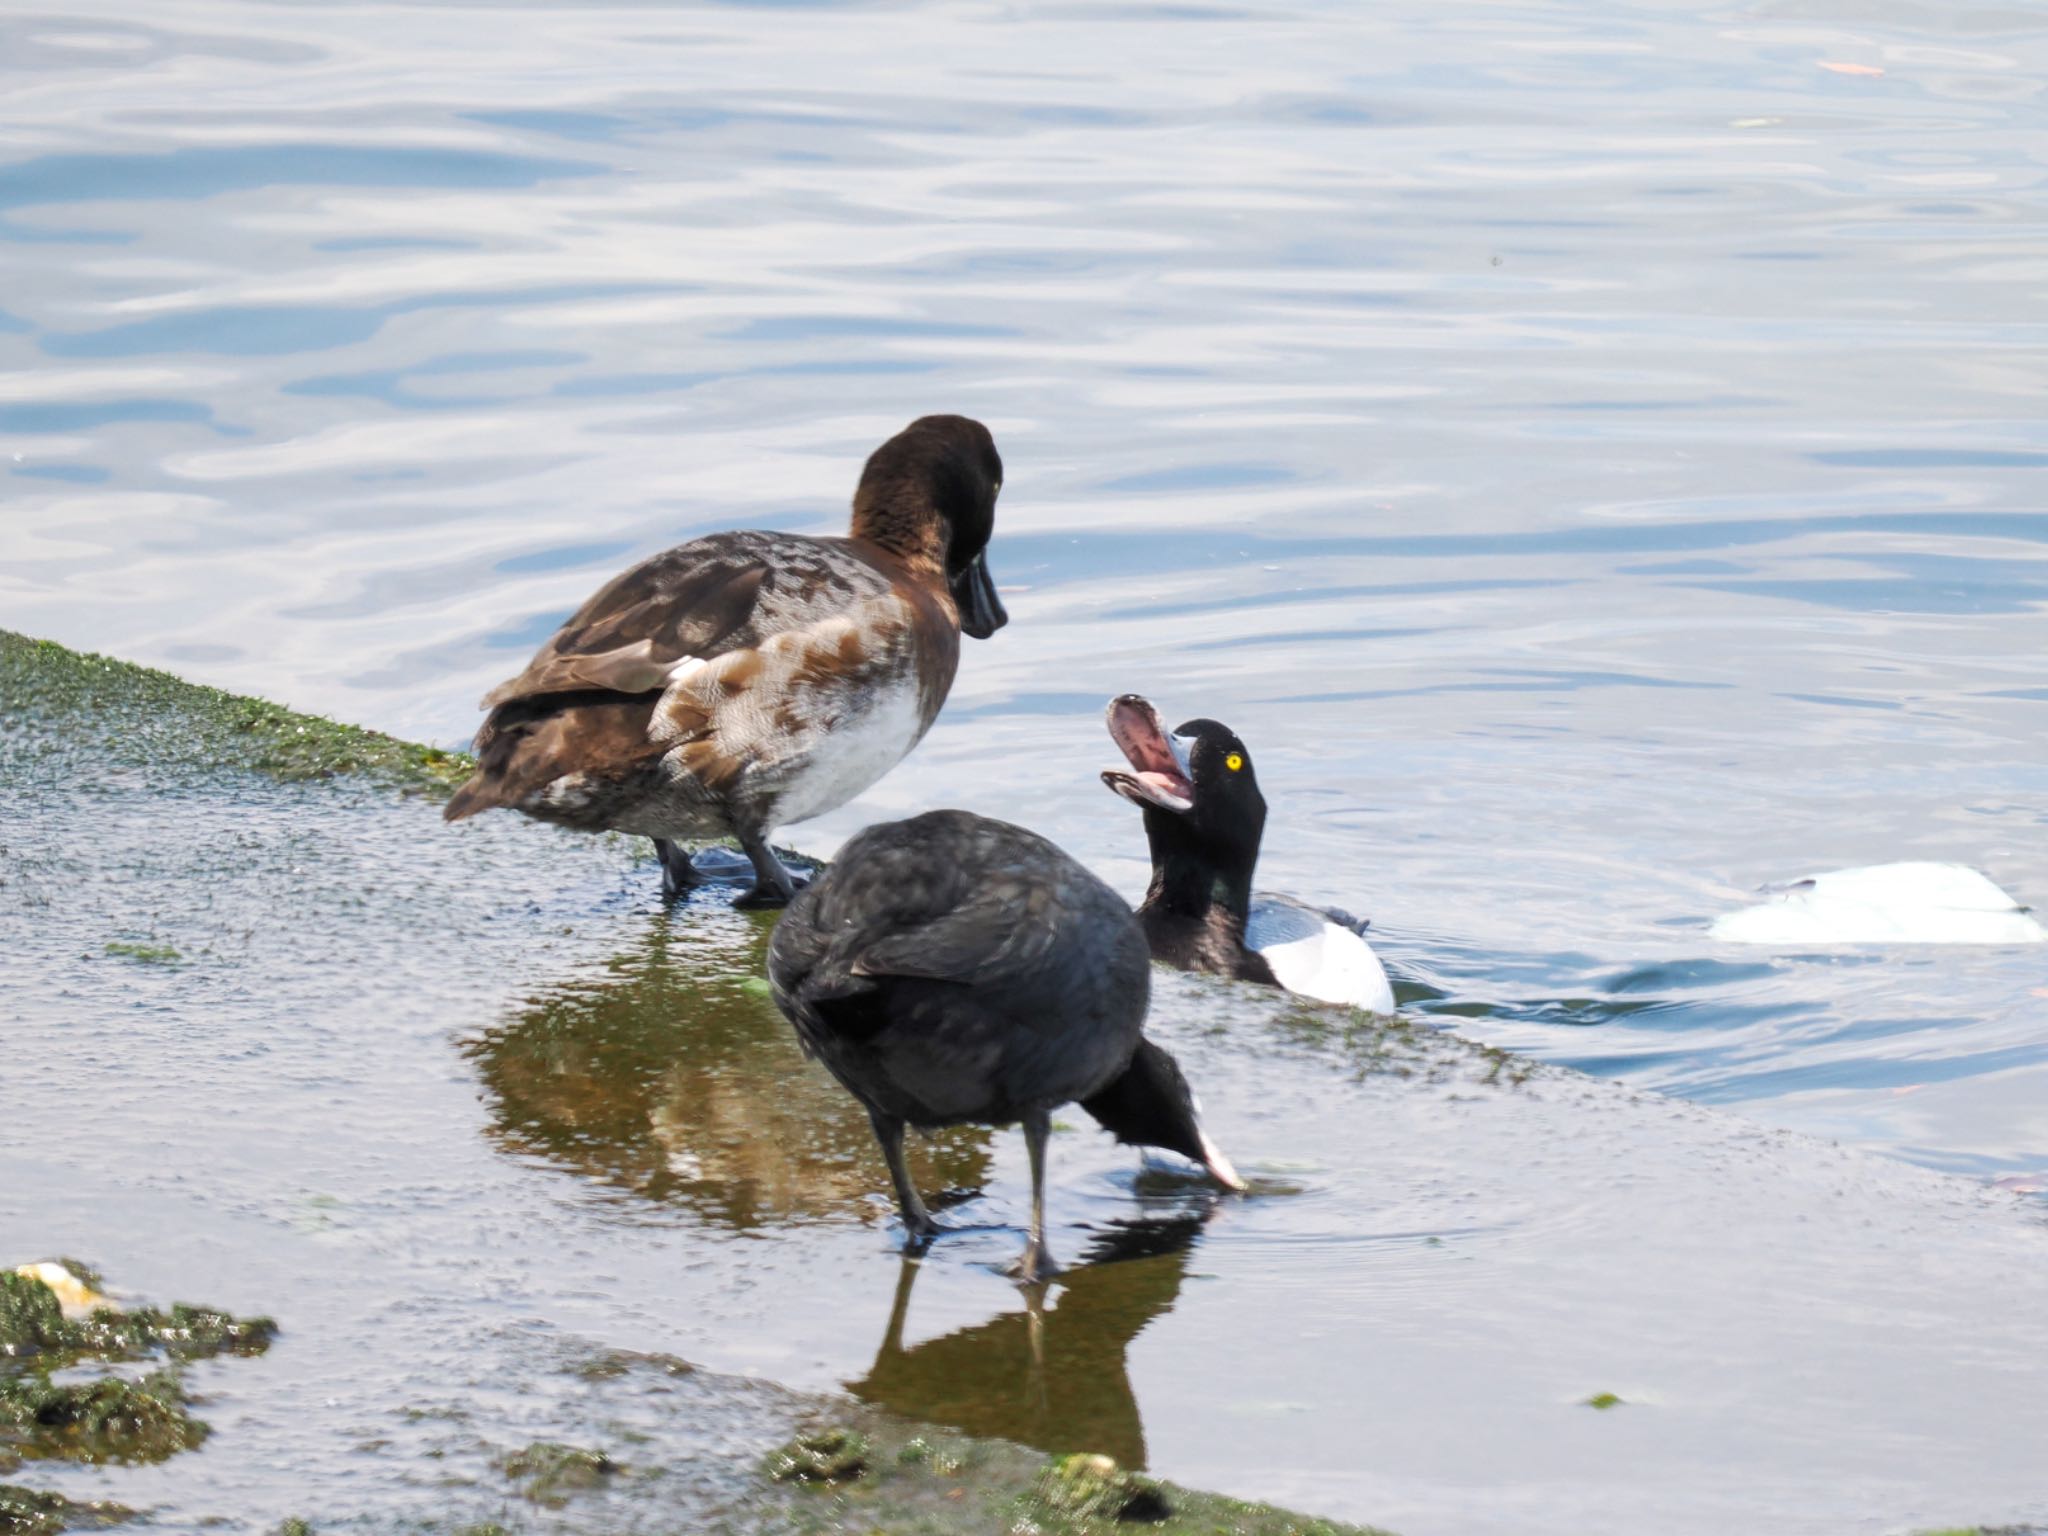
1204 819
747 680
951 968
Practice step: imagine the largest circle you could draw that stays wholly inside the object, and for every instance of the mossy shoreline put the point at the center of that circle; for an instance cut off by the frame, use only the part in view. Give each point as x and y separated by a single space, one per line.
143 714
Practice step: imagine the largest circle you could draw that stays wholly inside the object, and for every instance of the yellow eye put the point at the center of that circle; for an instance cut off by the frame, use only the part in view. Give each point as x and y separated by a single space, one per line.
1233 762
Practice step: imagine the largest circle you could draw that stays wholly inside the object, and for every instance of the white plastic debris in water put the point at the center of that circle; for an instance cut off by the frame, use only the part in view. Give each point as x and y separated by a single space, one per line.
74 1296
1915 903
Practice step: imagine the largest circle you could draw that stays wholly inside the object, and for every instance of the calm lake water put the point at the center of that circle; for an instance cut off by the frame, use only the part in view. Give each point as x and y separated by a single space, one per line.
1594 453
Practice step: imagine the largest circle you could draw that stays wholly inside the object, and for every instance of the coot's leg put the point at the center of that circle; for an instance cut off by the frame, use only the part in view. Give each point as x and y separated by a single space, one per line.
919 1228
678 874
1036 1264
773 884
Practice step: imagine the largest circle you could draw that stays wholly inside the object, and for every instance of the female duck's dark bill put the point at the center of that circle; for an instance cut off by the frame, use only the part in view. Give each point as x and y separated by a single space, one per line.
1159 773
974 594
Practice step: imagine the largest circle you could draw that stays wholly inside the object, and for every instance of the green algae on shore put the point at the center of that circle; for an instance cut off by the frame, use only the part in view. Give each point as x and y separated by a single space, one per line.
110 1418
828 1456
141 713
885 1478
32 1322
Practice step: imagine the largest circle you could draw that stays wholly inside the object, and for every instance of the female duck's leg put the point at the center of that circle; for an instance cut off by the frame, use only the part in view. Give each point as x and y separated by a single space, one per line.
773 884
1036 1264
919 1228
678 874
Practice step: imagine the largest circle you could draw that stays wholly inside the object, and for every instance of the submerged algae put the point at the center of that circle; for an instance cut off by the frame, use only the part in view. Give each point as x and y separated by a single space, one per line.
110 1419
148 954
31 1512
143 715
551 1471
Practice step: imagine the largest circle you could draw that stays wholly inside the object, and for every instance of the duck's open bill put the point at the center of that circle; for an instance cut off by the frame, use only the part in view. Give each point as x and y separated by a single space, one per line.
1159 773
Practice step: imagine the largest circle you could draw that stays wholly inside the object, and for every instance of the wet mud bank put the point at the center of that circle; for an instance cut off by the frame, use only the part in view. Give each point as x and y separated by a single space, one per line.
561 1233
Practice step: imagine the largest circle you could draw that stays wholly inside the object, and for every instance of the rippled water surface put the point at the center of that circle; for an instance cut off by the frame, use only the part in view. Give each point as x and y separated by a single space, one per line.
1592 452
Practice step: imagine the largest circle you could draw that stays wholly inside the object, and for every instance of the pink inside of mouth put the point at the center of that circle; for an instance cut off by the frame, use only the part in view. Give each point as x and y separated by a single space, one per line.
1134 726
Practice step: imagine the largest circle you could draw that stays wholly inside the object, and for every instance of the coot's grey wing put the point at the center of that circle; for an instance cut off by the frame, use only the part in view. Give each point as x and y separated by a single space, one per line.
1001 928
923 898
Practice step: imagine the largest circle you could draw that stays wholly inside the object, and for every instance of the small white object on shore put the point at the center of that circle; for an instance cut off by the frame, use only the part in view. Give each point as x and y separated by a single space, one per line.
1911 903
74 1296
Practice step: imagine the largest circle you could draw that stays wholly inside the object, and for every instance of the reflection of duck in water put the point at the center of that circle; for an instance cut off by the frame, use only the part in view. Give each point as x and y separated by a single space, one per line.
1051 1376
667 1074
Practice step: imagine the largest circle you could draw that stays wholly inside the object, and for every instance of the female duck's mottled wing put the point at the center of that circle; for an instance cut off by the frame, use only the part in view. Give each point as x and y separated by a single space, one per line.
1313 956
587 702
695 601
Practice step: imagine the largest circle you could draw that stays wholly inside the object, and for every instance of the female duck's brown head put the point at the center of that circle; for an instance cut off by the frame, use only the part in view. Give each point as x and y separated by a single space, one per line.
928 496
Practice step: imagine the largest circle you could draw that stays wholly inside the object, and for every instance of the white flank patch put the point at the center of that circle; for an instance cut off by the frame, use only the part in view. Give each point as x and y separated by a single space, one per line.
685 669
1314 957
1886 904
853 755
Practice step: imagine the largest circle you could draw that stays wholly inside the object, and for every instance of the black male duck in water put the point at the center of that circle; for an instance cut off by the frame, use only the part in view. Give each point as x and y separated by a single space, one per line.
748 680
1204 819
951 968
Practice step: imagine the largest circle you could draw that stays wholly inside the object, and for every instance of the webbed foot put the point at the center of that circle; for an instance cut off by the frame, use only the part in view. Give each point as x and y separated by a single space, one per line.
759 898
775 884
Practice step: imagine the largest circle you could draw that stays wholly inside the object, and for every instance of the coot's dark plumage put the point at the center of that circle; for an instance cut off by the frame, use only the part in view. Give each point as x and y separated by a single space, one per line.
1204 817
747 680
950 968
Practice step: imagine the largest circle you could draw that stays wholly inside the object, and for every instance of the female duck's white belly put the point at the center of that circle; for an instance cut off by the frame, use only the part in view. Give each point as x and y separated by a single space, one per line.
1315 957
851 756
1913 903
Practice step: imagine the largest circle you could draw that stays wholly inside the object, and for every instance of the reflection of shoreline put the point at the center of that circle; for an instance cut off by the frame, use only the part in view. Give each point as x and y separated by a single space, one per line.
1053 1375
670 1076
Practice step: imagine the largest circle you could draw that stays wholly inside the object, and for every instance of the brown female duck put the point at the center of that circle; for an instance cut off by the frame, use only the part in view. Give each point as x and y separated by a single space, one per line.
747 680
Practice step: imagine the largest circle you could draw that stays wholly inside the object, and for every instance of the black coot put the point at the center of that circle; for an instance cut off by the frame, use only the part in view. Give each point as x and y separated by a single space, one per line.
951 968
